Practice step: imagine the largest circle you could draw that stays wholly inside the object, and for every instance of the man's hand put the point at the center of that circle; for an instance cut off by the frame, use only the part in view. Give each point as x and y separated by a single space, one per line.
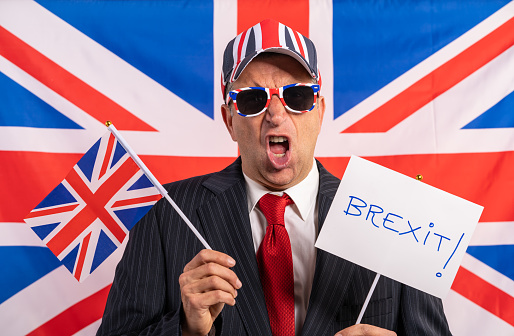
206 285
365 330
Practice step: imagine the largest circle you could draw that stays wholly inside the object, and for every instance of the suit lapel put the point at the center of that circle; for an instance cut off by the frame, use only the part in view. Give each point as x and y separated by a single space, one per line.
332 274
226 223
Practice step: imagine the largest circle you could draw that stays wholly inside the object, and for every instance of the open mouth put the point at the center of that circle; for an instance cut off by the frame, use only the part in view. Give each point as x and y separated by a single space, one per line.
278 150
278 146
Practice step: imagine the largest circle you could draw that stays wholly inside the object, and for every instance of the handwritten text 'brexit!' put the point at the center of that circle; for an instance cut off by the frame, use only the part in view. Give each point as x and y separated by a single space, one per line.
396 224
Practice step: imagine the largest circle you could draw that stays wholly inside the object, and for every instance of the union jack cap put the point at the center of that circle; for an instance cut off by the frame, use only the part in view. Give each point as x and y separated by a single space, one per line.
267 36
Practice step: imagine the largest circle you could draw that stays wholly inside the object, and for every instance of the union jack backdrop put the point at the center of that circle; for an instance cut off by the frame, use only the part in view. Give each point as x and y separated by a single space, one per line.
422 87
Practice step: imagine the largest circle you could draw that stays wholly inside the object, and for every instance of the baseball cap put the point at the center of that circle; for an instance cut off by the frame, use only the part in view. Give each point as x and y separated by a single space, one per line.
267 36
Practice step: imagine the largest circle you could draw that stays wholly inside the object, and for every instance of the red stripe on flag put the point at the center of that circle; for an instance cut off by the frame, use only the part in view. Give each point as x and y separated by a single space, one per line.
25 169
292 13
95 206
107 157
47 212
437 82
82 256
138 200
450 172
67 85
76 317
455 174
174 168
484 294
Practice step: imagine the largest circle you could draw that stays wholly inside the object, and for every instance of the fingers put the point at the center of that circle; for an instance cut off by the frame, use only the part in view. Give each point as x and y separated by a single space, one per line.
209 263
206 285
365 330
215 282
206 256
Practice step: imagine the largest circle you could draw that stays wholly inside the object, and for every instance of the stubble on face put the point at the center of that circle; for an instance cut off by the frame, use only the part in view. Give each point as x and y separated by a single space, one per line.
277 147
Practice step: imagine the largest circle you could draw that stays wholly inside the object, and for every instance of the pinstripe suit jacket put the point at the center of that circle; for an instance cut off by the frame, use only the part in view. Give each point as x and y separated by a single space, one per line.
145 296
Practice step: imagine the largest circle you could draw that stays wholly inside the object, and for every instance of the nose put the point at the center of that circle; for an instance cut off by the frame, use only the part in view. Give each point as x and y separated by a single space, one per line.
276 112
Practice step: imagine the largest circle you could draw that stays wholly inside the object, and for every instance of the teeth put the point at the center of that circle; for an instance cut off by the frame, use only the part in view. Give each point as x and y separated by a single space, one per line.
277 139
280 155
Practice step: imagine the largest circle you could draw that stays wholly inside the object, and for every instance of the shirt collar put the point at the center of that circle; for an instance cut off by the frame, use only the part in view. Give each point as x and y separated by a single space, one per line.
303 194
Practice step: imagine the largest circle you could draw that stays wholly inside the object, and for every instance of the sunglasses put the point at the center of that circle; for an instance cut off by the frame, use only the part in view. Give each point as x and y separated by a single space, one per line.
252 101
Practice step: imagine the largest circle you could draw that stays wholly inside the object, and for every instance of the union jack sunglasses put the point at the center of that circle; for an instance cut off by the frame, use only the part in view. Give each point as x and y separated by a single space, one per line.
252 101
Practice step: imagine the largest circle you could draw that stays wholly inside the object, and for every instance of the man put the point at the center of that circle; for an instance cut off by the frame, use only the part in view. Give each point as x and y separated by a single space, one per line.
263 276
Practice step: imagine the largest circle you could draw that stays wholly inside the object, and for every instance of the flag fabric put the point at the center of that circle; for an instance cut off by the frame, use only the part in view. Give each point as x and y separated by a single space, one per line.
421 87
87 216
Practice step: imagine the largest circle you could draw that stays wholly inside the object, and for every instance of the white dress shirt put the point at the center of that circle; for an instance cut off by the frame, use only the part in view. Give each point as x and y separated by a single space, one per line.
301 221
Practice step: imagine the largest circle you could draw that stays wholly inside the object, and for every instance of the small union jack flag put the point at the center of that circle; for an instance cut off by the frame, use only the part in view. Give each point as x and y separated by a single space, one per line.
87 216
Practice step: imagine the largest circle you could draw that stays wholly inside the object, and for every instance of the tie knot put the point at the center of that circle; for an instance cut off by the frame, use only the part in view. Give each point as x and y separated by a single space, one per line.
273 207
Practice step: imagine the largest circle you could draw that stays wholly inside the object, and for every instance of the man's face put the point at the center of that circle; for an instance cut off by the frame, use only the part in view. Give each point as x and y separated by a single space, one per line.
266 157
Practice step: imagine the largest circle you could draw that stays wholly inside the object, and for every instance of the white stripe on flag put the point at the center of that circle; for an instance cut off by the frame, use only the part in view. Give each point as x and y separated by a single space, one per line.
493 233
90 330
18 234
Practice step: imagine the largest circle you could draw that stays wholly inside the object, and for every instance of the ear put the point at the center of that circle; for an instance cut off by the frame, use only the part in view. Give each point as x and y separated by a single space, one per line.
227 119
321 109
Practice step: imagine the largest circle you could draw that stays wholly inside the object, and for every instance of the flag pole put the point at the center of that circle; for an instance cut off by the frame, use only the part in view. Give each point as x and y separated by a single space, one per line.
365 305
154 181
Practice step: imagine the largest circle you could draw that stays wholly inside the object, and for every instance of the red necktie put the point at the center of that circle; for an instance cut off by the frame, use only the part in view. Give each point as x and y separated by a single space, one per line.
276 266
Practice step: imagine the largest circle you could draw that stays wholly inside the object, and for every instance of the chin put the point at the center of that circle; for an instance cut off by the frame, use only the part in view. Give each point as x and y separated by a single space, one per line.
279 180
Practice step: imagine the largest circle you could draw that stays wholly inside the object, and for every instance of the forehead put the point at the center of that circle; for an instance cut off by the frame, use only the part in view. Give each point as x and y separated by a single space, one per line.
272 70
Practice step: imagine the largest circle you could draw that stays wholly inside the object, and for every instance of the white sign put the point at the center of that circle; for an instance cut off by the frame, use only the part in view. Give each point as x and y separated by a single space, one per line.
399 227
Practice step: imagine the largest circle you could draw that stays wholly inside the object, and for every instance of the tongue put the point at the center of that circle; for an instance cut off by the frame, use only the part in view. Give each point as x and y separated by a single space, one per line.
278 147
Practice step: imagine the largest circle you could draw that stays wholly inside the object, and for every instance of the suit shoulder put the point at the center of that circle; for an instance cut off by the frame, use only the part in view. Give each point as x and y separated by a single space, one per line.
326 177
185 183
205 185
